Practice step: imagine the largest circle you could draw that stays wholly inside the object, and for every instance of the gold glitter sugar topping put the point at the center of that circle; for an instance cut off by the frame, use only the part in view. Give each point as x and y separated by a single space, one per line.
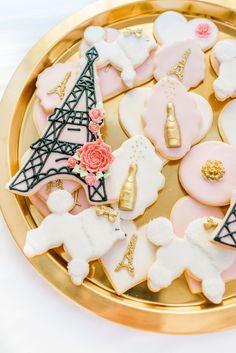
213 170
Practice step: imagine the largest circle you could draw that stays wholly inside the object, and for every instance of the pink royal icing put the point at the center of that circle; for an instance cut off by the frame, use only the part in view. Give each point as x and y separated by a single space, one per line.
214 193
189 118
168 56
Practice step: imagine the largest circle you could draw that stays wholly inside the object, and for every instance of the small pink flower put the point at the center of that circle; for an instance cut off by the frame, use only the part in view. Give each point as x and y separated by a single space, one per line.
203 30
94 127
96 114
71 162
95 156
90 179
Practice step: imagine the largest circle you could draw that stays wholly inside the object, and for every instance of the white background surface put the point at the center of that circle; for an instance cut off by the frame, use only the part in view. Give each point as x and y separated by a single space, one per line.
34 317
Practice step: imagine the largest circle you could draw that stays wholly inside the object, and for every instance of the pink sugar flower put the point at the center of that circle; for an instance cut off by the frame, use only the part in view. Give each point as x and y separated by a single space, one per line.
94 127
90 179
96 114
71 162
203 30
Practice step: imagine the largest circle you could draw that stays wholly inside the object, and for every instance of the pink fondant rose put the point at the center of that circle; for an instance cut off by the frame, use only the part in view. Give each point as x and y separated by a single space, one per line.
96 114
203 30
95 156
90 179
71 162
94 127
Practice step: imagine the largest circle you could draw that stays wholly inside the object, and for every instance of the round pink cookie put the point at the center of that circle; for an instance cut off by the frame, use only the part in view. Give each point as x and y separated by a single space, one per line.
187 210
169 56
217 192
110 82
184 212
170 90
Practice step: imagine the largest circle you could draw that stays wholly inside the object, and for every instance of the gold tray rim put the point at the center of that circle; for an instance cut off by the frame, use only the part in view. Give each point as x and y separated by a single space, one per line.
165 319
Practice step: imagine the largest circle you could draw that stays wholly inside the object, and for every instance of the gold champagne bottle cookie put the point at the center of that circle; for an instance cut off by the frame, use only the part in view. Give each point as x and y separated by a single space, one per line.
128 192
172 130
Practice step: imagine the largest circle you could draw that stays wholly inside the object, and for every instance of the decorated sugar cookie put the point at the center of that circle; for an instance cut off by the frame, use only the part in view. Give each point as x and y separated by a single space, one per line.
208 172
72 126
86 236
183 60
172 26
132 106
227 123
56 82
223 60
126 58
193 252
128 261
171 118
136 168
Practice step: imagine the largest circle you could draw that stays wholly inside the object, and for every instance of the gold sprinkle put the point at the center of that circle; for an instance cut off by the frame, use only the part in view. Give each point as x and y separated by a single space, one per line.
210 223
128 258
57 184
61 86
178 69
213 170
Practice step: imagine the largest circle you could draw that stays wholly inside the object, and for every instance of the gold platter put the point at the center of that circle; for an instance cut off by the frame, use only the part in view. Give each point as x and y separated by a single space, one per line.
175 309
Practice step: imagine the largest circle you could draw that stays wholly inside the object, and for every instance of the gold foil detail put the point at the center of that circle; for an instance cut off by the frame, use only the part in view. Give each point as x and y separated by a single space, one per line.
57 184
107 67
178 69
61 86
128 192
128 258
107 211
138 32
172 129
213 170
210 223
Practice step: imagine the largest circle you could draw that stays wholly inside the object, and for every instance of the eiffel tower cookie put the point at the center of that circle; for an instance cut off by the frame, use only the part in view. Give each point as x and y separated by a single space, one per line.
74 124
183 60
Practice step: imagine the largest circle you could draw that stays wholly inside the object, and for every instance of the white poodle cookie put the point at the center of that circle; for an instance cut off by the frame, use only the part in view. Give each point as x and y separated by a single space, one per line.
126 52
223 60
86 236
128 262
135 177
172 26
194 253
227 123
183 60
132 105
171 118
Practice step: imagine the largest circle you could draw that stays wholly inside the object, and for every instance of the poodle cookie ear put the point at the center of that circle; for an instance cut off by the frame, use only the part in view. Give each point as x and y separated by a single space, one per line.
60 201
94 34
160 231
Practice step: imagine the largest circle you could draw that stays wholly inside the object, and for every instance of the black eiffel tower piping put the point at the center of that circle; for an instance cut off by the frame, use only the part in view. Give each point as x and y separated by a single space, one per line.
65 118
226 234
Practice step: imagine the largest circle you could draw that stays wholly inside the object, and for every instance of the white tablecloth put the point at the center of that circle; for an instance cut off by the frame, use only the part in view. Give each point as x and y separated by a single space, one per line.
34 317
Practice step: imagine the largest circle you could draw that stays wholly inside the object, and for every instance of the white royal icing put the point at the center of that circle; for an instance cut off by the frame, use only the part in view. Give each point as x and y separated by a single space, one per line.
227 123
172 26
194 253
125 53
85 236
143 257
224 52
132 106
137 149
